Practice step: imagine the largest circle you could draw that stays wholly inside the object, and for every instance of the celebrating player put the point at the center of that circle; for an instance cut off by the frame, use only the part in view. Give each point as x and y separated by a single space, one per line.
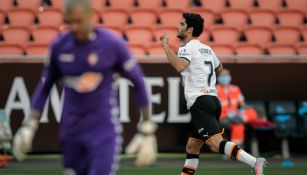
86 59
199 66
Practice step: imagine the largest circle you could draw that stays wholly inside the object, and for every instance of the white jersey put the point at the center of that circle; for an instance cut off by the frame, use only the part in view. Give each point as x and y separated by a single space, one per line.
199 77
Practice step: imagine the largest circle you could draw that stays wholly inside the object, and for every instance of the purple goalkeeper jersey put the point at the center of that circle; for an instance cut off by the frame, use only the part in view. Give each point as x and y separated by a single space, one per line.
87 72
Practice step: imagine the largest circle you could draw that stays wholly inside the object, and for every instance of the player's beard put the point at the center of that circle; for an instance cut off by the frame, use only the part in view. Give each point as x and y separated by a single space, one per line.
181 37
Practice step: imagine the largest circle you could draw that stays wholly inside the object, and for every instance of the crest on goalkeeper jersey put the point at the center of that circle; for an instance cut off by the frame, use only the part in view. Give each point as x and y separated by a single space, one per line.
92 59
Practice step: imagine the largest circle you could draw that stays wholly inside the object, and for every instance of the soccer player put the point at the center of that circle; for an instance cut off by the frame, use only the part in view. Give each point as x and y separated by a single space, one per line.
199 66
86 59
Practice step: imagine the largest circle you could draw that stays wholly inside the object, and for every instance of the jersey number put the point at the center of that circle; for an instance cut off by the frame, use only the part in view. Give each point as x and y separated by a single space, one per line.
209 63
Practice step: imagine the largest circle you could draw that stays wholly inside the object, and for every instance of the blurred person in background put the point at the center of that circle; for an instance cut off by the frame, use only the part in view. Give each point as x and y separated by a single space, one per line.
86 59
199 67
235 113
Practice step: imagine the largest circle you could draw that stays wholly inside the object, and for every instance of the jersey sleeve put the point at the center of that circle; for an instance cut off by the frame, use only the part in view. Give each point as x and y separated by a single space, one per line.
216 61
49 75
130 69
185 52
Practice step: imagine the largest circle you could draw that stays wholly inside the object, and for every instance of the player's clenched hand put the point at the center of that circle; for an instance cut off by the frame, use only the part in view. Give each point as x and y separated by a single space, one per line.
22 142
144 144
164 39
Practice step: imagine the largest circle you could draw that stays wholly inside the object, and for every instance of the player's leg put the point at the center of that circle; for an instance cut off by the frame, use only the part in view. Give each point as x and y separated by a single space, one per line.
192 158
103 155
217 144
74 158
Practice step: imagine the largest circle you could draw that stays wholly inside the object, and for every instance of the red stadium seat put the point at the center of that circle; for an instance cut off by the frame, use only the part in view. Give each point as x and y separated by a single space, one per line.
139 35
44 35
37 49
290 18
170 17
95 16
304 33
239 4
149 4
98 4
274 5
215 5
50 18
249 49
208 15
143 17
222 49
10 49
286 35
32 5
122 4
6 5
156 49
16 35
21 17
2 19
225 35
137 49
302 49
258 35
115 17
204 37
58 4
297 4
170 31
180 4
262 17
282 49
235 18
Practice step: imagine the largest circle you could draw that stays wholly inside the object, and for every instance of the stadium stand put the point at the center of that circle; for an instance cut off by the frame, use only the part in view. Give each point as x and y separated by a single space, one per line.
236 18
282 49
222 49
153 5
225 35
143 17
10 49
138 35
16 35
239 4
180 4
21 17
273 5
44 35
258 35
122 4
6 5
137 49
32 5
50 18
290 18
249 49
109 16
170 17
216 6
286 35
262 17
155 49
249 22
302 49
37 49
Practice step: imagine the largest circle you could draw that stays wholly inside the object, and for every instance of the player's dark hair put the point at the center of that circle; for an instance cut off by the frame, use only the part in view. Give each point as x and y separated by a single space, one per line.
196 21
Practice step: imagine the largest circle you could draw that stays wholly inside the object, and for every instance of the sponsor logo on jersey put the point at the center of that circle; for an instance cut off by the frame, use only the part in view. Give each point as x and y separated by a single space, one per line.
67 57
183 53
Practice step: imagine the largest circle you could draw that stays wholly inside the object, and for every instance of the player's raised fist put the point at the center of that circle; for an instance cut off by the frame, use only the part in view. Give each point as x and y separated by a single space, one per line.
164 39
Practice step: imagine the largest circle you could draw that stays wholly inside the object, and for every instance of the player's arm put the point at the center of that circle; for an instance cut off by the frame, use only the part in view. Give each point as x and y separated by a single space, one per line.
219 69
22 142
218 66
180 63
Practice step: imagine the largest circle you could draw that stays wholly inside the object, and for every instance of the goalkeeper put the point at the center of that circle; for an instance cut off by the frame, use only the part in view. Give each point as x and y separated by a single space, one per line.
86 59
